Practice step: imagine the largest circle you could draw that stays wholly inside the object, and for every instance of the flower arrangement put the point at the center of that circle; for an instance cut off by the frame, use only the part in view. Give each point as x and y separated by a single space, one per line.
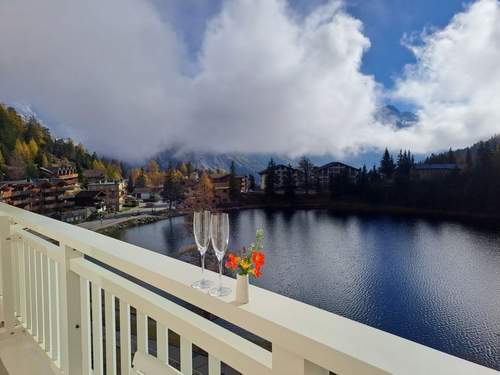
249 262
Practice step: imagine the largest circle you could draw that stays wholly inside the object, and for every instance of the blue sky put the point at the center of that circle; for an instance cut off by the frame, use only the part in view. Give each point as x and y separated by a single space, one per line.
385 22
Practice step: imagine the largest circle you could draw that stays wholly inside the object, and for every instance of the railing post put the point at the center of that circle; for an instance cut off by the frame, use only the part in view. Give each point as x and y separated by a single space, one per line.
285 362
6 274
70 314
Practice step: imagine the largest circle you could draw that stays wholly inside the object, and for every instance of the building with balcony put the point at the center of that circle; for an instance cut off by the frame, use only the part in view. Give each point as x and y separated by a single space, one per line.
221 183
114 191
66 173
75 302
335 170
43 196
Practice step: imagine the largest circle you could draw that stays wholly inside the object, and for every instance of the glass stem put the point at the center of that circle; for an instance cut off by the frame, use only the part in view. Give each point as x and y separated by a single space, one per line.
220 274
203 265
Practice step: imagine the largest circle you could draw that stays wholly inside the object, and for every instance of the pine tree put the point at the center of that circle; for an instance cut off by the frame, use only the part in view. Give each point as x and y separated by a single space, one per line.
468 160
205 192
306 169
2 162
289 182
387 166
451 157
2 166
130 183
172 187
142 180
270 178
184 169
251 182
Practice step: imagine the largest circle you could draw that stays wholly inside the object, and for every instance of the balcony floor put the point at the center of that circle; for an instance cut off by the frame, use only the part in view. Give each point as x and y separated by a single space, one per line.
20 355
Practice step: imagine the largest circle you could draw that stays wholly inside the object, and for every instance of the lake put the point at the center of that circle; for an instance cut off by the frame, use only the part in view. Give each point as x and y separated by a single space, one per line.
433 282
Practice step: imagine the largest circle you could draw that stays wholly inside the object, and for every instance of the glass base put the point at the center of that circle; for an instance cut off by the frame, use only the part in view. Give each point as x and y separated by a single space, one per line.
202 284
219 291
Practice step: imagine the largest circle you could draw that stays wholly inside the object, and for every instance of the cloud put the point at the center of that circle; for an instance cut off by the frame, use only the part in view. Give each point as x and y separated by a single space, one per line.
104 72
112 73
117 76
455 83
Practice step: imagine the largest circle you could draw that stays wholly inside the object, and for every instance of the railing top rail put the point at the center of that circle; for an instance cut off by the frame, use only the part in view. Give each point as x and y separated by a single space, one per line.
329 340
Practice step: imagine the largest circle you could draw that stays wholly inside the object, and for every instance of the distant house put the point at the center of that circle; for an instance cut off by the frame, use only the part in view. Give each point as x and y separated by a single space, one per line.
94 175
76 215
95 199
221 184
66 173
143 193
433 171
114 193
335 169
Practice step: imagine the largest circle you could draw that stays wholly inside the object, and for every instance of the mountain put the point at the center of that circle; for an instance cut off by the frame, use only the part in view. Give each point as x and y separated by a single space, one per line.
253 163
245 163
389 114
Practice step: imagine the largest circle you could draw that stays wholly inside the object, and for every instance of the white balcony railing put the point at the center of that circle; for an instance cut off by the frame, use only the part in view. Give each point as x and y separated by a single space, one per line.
50 290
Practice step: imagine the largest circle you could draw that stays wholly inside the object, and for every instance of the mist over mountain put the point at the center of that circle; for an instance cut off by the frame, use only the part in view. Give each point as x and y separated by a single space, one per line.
253 163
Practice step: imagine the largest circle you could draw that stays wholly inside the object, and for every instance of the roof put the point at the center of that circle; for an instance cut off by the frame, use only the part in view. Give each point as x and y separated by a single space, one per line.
444 166
336 163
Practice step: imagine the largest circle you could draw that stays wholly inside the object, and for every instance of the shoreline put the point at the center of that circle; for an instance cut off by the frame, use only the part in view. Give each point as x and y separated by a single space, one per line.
341 208
356 208
135 221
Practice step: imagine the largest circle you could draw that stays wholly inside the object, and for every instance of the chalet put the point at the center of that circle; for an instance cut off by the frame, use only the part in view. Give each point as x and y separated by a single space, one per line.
66 173
114 193
96 199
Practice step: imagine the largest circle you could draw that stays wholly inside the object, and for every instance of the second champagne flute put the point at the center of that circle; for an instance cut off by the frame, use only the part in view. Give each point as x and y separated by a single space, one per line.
219 233
201 230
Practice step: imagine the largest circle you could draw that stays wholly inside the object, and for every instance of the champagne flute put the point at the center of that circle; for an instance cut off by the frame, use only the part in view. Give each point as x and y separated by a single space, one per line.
201 230
219 233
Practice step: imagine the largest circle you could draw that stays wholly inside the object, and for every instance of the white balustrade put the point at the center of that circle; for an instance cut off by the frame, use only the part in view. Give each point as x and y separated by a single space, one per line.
80 314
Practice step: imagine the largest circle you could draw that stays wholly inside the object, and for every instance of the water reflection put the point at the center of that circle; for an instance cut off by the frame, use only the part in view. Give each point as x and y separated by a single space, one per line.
433 282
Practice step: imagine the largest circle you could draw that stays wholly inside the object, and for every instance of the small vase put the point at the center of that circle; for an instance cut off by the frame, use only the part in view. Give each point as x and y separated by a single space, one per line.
242 289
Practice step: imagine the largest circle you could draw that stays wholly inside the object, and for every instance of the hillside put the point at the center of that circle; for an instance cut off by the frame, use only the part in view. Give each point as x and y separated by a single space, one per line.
460 155
25 145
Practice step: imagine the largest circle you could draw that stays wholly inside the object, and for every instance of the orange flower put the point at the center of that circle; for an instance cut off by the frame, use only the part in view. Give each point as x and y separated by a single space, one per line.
256 272
232 261
258 258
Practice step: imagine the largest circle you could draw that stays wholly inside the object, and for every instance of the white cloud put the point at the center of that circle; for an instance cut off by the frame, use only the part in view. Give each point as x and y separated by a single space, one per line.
103 71
266 80
455 82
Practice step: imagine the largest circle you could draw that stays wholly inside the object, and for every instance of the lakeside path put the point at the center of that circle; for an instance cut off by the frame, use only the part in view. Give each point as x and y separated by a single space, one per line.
96 225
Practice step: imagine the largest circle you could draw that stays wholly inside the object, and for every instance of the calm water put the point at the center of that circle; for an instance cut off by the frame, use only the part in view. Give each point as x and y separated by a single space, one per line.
434 283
